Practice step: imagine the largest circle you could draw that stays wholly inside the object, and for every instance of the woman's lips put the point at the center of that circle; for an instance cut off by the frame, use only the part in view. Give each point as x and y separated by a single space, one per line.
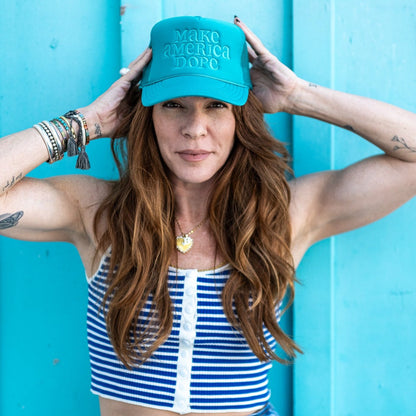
194 155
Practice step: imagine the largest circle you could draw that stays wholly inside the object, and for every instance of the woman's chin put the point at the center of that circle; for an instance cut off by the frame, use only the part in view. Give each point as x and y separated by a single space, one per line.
192 180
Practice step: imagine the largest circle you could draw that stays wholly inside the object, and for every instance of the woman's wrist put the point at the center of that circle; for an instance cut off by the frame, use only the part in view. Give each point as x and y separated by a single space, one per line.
303 98
93 122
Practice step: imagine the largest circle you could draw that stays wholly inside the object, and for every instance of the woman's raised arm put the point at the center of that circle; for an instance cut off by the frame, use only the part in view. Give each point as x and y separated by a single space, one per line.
50 209
327 203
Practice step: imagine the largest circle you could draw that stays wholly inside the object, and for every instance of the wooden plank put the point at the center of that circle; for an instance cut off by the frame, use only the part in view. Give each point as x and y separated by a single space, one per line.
58 58
354 313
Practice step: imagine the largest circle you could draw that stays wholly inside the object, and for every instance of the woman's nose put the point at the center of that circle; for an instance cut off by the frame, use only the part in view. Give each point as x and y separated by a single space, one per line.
194 125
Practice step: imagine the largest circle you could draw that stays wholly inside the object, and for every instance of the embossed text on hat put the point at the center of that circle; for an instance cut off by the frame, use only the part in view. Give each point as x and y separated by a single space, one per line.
196 48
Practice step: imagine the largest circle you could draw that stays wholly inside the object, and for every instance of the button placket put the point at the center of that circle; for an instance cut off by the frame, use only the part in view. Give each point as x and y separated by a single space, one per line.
187 332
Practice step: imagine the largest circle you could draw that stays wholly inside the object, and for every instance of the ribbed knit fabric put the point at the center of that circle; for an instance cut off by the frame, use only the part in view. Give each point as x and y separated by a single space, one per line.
204 366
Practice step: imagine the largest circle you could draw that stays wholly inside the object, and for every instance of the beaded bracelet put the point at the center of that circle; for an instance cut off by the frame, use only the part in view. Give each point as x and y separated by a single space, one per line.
84 123
59 137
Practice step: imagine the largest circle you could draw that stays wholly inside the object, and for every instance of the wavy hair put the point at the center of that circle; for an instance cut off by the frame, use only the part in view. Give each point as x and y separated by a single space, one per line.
249 216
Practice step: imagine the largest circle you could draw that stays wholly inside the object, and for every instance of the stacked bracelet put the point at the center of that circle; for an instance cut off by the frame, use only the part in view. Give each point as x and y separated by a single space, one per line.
59 137
53 143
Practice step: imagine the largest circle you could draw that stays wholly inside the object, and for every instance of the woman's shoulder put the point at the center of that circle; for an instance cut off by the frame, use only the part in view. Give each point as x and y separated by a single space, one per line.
88 194
84 193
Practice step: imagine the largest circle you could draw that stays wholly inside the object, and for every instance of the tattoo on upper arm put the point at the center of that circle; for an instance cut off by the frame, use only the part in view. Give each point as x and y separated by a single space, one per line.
402 144
12 181
311 84
98 130
10 220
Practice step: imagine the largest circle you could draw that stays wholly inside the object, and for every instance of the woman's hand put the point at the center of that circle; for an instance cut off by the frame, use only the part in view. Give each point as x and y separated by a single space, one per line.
101 115
273 83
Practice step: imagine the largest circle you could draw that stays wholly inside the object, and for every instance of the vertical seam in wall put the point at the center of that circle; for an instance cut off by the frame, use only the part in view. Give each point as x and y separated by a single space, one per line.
292 145
120 36
332 74
332 243
292 132
163 9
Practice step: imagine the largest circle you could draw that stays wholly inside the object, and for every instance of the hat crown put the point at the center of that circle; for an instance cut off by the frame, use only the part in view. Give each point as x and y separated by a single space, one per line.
193 46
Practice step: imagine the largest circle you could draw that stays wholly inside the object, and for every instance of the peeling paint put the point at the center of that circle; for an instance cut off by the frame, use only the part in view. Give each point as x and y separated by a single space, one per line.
54 43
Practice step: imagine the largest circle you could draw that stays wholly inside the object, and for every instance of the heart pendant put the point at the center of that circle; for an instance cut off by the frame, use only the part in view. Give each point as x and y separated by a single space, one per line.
184 243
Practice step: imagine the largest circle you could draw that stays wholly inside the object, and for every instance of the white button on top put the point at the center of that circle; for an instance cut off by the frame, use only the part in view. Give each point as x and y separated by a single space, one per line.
187 343
189 309
183 373
187 331
187 326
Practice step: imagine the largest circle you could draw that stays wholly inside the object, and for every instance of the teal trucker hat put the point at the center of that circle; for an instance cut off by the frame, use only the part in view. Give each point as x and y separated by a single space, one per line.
195 56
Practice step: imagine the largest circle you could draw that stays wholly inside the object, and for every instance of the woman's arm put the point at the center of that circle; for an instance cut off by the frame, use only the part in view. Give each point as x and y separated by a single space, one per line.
52 209
390 128
333 202
327 203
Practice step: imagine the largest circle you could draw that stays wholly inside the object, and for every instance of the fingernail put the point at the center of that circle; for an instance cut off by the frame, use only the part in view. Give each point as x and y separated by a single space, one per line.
236 18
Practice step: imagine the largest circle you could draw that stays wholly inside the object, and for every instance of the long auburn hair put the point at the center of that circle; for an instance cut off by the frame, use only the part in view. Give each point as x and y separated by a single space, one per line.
249 216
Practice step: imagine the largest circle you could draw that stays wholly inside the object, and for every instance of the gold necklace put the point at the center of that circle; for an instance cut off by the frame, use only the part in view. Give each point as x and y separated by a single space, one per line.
184 241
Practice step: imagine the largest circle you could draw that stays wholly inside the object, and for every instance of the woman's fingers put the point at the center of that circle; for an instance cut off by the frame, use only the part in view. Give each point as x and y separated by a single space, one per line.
252 56
137 66
252 39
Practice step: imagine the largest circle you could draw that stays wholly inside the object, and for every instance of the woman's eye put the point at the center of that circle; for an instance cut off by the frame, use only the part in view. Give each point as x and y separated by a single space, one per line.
218 104
171 104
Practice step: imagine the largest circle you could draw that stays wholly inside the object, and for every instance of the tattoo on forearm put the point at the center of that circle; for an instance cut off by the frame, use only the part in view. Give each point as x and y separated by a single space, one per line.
11 182
402 144
311 84
98 132
348 127
10 220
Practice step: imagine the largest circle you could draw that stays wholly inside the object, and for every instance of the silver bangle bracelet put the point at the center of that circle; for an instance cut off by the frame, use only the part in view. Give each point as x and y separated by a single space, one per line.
46 141
57 155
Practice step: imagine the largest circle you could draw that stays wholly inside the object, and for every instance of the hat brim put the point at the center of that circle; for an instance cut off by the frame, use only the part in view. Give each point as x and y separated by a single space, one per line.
191 85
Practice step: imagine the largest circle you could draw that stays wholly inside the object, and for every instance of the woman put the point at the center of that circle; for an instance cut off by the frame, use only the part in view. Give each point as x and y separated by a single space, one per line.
249 236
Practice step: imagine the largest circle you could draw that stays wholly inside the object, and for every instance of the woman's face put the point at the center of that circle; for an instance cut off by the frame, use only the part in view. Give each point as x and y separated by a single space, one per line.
195 137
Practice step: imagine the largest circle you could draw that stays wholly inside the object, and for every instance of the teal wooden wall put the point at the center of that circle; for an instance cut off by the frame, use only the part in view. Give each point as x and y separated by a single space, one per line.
354 310
54 56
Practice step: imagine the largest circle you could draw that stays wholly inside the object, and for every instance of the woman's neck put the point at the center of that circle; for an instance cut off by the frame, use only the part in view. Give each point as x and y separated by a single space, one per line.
191 203
191 214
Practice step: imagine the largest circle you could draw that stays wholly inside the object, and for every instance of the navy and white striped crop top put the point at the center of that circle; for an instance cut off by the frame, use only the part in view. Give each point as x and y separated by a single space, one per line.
204 366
